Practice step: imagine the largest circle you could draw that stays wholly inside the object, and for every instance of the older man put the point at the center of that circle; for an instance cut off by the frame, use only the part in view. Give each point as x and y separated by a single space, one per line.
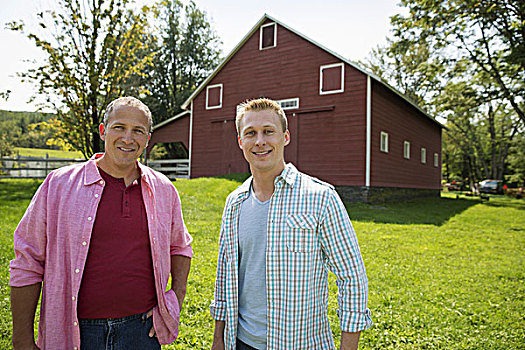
100 239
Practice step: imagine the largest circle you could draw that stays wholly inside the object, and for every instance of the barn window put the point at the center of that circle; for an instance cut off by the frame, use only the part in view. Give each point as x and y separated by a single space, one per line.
332 79
291 103
423 155
214 96
384 142
406 150
436 160
268 36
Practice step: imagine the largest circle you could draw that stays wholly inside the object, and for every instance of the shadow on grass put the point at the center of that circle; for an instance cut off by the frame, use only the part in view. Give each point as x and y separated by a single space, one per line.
507 203
15 190
425 211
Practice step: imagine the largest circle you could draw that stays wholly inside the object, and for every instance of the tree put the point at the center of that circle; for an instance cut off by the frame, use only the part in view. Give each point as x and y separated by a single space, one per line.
9 131
516 161
92 56
52 132
489 34
185 53
479 135
463 61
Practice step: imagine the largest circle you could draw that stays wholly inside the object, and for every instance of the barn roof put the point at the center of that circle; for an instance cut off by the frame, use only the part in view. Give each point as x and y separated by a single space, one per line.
349 62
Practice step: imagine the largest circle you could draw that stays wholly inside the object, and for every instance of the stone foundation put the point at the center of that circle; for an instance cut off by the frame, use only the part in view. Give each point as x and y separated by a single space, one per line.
382 194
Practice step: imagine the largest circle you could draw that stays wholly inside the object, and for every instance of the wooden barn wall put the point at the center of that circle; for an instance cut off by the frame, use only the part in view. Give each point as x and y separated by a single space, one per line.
403 123
328 143
176 131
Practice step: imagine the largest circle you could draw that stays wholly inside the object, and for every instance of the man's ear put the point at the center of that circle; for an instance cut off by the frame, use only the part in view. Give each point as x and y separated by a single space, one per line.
287 137
102 131
239 141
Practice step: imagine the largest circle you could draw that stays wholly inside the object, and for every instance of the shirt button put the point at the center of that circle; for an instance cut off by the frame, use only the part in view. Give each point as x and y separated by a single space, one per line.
96 195
77 271
84 243
75 323
75 348
101 182
73 298
89 218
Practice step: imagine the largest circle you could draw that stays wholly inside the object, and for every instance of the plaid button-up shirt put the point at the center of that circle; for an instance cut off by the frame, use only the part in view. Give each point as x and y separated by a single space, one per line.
309 233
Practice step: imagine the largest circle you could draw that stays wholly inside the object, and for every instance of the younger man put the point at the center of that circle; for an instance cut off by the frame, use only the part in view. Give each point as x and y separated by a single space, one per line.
281 232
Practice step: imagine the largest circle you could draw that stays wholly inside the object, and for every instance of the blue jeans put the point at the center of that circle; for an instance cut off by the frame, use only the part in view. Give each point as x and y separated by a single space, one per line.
130 332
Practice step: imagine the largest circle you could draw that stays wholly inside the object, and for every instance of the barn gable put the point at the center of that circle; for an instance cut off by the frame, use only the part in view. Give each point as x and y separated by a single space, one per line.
338 114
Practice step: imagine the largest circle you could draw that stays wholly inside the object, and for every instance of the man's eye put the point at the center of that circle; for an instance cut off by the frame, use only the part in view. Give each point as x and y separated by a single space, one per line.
269 132
248 133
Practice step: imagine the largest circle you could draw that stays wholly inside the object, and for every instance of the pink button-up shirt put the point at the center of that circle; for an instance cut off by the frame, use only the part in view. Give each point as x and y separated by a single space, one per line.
52 241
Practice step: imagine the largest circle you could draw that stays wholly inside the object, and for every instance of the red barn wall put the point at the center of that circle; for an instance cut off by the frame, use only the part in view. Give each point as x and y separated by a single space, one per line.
328 144
176 131
403 122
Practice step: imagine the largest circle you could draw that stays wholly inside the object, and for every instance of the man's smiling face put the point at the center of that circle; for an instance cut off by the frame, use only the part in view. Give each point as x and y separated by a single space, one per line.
125 136
262 141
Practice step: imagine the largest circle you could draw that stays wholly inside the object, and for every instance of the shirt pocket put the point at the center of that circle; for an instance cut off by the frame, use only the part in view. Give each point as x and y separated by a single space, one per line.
301 232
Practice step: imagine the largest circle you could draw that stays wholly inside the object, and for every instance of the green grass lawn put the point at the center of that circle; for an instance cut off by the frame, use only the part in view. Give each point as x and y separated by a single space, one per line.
37 152
443 273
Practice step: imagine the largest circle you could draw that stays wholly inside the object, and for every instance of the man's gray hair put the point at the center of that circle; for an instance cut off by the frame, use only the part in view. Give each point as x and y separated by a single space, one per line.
128 101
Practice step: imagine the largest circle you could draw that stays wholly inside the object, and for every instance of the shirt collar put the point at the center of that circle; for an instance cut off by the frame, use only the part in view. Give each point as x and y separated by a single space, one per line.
288 176
92 175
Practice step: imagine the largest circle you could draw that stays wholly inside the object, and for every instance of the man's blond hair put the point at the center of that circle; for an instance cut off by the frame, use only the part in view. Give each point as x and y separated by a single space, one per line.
258 105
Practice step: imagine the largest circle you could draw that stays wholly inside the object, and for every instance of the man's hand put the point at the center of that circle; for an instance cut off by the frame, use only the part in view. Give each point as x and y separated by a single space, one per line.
350 341
218 336
152 330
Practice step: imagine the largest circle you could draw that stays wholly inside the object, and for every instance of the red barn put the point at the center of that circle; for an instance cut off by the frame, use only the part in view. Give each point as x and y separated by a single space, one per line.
347 127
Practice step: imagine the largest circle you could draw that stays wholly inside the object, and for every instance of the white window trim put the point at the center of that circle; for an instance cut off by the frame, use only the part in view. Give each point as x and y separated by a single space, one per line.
436 160
383 147
342 89
274 36
406 149
220 97
295 100
423 155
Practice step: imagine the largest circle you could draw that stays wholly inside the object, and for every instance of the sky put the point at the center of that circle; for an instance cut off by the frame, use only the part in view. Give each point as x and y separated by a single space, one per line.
351 28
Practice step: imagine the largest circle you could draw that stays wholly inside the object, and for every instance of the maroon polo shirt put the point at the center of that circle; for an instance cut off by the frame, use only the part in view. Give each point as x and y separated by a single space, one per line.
118 277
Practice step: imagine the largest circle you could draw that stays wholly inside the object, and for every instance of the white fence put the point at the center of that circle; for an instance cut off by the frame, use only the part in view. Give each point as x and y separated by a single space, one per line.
31 167
38 168
172 168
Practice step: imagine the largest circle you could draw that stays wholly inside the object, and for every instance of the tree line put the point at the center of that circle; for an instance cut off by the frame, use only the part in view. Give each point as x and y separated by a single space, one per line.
27 129
464 62
99 50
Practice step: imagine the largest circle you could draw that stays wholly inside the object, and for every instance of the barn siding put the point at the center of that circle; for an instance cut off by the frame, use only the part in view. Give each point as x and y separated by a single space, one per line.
327 144
176 131
403 122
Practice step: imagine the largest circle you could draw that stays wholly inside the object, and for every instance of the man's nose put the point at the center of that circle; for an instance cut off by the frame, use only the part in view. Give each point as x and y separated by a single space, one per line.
127 137
260 139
